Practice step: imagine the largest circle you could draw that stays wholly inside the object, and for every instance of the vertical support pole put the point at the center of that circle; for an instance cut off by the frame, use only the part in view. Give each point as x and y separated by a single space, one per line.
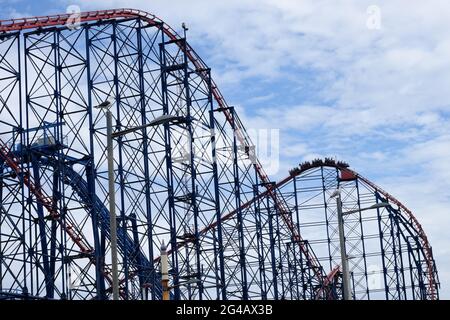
411 270
401 268
57 134
363 241
216 250
270 216
344 259
168 157
280 271
122 225
394 253
420 272
136 248
192 170
352 277
22 143
164 272
148 205
54 224
99 251
112 207
23 166
297 215
240 222
291 290
327 223
399 236
259 240
42 231
383 254
219 253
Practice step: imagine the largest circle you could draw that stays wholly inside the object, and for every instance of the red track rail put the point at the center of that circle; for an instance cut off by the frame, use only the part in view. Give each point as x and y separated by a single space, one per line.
328 281
242 136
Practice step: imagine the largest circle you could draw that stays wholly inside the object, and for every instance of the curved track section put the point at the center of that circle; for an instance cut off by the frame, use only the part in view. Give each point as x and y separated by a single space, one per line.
389 254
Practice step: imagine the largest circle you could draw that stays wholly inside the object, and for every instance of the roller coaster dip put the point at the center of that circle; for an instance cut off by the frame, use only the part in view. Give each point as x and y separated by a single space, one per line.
232 233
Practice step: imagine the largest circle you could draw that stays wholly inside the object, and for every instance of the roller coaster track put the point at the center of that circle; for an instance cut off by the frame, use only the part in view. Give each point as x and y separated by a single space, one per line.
11 160
328 283
343 168
62 19
47 202
431 288
271 189
125 243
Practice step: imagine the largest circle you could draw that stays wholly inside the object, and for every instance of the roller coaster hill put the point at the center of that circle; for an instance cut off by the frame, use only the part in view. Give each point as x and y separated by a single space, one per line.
231 232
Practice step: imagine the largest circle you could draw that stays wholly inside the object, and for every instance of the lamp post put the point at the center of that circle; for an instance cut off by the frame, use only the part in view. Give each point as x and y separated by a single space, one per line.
112 200
165 274
111 181
344 259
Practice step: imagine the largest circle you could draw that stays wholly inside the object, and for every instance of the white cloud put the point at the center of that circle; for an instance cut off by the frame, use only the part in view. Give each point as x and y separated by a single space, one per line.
10 10
295 150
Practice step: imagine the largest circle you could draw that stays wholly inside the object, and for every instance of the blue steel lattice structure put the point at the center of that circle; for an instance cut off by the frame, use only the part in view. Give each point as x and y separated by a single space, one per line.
196 185
388 251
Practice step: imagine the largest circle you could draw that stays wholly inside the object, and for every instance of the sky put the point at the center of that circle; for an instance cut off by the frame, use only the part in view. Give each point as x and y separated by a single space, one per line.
367 82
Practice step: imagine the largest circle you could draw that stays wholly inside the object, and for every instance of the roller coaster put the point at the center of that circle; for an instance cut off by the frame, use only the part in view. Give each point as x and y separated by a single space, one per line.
197 185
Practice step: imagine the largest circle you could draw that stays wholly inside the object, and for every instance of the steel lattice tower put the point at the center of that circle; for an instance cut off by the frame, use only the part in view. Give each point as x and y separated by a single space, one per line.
232 232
